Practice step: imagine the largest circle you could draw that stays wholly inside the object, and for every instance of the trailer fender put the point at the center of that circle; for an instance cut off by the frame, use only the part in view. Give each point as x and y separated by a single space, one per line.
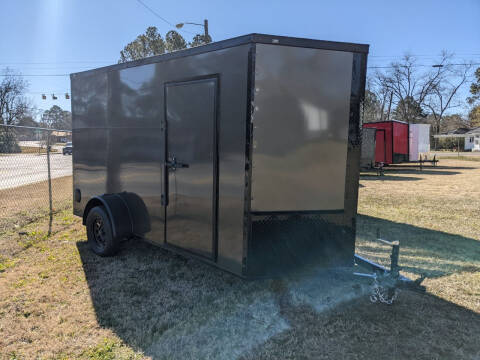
127 212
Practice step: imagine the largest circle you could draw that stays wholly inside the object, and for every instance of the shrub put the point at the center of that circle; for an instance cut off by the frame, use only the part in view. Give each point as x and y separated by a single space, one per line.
8 142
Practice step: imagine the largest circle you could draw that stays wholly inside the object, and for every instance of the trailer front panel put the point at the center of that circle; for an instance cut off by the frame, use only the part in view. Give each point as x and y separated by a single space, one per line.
299 157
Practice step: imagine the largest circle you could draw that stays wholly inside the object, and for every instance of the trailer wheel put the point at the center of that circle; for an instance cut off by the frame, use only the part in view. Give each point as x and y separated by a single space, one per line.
100 234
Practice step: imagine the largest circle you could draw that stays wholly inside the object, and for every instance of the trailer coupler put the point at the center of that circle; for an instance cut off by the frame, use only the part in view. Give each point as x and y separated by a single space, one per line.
386 283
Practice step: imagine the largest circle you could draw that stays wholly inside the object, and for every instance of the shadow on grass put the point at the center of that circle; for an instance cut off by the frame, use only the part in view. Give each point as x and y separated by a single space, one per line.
416 326
419 172
422 251
429 167
170 307
388 178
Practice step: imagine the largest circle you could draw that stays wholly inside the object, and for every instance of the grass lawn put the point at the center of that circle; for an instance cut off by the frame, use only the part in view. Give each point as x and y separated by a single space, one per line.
59 301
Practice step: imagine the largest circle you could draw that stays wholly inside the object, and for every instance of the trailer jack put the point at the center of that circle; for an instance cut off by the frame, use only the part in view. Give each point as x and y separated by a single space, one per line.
386 283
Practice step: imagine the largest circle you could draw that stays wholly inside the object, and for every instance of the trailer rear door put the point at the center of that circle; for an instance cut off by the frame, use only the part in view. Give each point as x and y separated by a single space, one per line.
191 165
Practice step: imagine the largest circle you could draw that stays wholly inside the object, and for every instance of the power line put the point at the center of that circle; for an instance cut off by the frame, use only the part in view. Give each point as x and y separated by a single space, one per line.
419 55
369 67
56 62
34 74
48 92
160 17
75 69
155 13
114 61
417 65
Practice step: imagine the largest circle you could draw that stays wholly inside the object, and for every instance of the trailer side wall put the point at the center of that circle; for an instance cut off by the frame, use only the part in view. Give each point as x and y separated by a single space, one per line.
119 137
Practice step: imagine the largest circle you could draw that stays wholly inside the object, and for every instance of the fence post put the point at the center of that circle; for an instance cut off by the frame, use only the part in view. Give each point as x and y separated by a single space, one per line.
49 185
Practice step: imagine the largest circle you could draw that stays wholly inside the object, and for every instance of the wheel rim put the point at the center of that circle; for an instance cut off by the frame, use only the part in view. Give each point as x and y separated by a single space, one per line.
98 231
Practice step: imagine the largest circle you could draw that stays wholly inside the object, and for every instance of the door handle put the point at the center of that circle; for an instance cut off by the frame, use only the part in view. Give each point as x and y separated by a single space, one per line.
174 164
170 165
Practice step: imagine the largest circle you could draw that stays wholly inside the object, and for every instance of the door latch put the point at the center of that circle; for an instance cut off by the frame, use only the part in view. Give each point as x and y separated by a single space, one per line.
173 164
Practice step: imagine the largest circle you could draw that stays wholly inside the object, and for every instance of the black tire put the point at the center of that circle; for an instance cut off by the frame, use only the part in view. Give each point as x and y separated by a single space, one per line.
100 233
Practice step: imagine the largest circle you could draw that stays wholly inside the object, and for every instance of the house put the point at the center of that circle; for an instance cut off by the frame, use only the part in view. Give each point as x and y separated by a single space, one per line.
471 136
473 139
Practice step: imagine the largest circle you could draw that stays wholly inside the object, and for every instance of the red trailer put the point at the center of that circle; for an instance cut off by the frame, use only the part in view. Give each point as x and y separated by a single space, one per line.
391 141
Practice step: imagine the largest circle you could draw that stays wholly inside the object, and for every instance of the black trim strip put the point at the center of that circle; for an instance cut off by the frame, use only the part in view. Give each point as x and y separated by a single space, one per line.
309 43
188 81
247 221
224 44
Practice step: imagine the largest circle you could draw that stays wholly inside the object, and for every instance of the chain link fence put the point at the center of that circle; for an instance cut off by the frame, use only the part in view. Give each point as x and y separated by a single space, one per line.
35 173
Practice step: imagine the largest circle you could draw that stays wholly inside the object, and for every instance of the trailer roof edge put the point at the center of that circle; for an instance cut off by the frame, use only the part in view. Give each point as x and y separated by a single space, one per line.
237 41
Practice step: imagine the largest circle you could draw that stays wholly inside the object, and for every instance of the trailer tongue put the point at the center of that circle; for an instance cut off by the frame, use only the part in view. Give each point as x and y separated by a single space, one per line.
387 282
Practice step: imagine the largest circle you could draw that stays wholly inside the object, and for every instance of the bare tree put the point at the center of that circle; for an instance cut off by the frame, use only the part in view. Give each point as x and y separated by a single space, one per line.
13 104
13 107
376 98
443 95
410 85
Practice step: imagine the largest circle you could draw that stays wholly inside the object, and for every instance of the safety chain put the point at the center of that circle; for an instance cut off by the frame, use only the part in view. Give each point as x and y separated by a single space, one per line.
385 295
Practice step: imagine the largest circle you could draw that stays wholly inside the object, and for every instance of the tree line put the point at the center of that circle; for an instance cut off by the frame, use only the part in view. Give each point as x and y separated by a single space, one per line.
152 43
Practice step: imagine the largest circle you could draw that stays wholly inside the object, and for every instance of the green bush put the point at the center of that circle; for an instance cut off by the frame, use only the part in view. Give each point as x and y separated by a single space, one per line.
450 143
8 142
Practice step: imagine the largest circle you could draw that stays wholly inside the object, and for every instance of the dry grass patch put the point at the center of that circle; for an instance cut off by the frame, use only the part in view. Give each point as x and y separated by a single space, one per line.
48 312
35 150
464 158
27 203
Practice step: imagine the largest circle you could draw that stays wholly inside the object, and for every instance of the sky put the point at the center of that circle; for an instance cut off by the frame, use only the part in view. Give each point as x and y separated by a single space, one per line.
58 37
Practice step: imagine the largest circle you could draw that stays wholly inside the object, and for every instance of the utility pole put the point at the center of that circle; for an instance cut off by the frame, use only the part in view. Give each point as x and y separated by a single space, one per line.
205 28
383 108
389 106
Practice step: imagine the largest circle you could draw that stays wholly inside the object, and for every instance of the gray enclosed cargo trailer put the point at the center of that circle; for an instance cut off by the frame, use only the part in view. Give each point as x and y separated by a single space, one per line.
243 153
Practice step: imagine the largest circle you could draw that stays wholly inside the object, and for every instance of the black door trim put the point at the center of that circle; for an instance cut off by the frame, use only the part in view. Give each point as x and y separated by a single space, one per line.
194 80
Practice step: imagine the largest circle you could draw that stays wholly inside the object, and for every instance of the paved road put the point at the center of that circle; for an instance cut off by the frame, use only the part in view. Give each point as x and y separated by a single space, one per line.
23 169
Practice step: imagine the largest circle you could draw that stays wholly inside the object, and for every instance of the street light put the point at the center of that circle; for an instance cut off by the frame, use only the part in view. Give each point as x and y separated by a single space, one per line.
437 65
205 26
